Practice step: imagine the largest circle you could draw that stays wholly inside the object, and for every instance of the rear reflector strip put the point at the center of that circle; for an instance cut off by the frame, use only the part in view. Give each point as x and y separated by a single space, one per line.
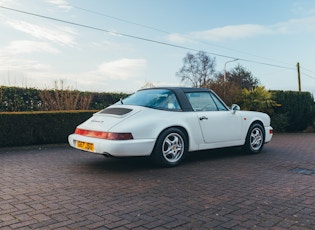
104 135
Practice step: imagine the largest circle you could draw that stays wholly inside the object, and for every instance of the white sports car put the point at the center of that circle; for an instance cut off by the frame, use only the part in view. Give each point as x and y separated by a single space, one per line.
166 123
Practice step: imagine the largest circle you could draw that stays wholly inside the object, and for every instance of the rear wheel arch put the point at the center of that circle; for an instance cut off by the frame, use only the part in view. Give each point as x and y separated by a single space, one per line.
184 131
181 128
166 138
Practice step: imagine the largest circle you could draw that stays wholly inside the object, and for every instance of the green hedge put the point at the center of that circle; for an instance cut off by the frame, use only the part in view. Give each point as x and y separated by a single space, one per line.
13 99
16 99
102 100
296 113
30 128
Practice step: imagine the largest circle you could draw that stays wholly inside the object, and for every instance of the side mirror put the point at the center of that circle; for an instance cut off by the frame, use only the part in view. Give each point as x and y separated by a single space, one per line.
235 108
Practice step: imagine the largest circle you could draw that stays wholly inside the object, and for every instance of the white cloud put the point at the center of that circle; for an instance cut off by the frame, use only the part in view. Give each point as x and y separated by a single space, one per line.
180 38
295 26
61 4
5 2
61 35
22 65
302 8
2 2
233 32
24 47
11 56
122 69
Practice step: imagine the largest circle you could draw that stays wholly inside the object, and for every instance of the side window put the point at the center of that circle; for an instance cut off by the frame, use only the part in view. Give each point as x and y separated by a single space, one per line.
220 105
166 101
202 101
153 98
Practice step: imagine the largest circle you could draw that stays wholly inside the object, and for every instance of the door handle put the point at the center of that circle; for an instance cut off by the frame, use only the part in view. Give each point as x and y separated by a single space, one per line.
203 118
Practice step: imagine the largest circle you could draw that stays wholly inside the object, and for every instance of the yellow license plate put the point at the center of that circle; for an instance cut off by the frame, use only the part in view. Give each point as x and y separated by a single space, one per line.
85 146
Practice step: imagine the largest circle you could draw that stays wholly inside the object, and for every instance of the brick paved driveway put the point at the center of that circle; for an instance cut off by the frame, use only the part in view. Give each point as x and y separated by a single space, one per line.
55 187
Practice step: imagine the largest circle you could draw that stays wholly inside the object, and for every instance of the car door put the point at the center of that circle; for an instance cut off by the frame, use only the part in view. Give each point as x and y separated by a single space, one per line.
217 123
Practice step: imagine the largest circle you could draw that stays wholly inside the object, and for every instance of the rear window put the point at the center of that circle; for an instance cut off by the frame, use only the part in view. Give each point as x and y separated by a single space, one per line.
153 98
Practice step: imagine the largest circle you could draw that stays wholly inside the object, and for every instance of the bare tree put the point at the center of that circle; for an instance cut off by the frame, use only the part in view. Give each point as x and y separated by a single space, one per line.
197 69
63 98
147 85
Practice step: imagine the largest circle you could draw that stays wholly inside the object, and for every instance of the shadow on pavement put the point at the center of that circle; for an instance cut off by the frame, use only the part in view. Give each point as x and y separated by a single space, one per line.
137 164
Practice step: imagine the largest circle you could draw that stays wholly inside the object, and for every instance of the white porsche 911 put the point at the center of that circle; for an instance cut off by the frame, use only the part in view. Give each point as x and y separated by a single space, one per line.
166 123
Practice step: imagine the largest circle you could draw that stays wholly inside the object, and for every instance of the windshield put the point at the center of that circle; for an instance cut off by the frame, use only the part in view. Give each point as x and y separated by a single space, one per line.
153 98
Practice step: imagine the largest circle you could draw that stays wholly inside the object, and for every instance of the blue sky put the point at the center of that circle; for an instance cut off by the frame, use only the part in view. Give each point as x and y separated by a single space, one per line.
268 37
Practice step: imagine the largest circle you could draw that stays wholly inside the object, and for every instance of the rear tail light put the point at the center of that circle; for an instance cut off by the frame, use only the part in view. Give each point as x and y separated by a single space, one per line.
104 135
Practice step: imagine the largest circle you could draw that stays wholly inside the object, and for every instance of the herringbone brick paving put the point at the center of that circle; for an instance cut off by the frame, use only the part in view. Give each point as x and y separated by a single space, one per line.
56 187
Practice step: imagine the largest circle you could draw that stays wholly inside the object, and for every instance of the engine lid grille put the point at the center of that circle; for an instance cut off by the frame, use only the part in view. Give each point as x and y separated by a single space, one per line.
116 111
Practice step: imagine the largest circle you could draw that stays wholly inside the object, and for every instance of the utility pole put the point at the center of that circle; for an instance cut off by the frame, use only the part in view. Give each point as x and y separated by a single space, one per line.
224 76
299 75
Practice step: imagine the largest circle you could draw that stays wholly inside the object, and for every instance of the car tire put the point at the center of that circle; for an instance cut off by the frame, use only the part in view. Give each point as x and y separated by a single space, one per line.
255 139
170 148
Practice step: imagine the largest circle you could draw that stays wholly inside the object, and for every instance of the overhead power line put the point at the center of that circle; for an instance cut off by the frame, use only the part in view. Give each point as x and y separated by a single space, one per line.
309 76
169 33
107 31
142 38
120 19
307 69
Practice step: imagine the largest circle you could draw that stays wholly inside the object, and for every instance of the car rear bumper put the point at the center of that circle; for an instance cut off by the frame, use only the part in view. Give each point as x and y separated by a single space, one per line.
268 134
116 148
